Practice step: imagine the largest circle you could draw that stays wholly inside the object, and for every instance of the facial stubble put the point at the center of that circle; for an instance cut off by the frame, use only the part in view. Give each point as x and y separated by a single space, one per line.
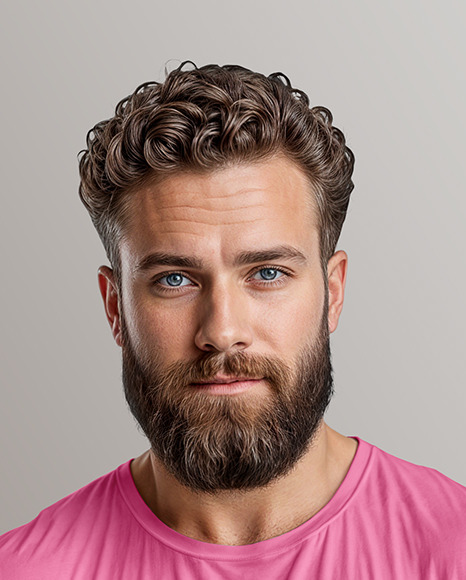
229 442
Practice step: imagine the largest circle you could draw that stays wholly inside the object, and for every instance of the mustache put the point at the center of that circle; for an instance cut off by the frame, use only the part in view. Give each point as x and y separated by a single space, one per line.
238 364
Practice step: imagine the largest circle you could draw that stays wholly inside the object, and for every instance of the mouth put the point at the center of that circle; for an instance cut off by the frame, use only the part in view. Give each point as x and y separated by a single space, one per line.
222 385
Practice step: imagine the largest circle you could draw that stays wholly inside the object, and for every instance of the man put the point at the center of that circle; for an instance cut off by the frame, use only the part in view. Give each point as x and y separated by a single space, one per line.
219 196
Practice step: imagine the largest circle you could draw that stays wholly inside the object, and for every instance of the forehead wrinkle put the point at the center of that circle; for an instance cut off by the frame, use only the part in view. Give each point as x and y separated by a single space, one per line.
191 221
212 209
203 193
178 233
203 204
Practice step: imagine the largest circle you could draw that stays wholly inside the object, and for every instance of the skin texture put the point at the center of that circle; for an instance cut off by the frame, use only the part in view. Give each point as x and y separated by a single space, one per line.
223 306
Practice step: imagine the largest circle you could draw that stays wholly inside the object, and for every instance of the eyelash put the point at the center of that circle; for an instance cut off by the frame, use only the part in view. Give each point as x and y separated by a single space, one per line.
272 283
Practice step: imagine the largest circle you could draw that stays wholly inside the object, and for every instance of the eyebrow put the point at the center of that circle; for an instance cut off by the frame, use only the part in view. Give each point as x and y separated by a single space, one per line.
284 252
242 259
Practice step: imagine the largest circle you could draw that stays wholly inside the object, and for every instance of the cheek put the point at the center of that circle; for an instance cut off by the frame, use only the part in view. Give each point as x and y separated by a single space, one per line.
169 334
290 322
165 333
155 330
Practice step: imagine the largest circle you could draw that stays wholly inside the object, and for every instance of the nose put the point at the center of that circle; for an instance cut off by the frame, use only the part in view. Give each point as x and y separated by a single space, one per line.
224 323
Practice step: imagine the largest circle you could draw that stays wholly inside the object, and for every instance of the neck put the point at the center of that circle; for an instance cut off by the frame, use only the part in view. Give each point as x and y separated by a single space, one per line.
245 517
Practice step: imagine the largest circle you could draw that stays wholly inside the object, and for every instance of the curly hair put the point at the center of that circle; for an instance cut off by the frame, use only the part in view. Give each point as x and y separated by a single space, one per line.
203 119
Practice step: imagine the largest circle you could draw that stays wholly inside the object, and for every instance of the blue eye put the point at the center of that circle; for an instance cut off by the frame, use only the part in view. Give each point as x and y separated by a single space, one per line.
268 274
174 280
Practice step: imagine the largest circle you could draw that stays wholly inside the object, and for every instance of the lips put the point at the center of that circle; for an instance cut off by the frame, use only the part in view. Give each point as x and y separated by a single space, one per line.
221 385
221 380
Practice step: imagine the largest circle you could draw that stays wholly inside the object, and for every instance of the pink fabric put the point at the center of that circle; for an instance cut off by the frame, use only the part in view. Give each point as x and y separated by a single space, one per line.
389 519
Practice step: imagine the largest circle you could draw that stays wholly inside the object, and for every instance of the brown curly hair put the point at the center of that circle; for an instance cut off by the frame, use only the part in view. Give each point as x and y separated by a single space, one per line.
203 119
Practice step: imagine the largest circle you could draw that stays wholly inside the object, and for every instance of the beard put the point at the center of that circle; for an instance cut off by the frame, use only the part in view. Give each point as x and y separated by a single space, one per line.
229 442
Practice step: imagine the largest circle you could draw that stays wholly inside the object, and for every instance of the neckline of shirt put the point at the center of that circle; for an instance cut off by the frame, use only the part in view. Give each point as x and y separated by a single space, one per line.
267 548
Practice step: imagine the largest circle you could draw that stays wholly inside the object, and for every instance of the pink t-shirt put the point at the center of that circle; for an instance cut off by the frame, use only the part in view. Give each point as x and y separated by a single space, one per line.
388 519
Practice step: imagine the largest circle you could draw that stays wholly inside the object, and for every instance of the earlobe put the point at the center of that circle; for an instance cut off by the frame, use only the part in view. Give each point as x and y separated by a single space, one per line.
109 291
336 275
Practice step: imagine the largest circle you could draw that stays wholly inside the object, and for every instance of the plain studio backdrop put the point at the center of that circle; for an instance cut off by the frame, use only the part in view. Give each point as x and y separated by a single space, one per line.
392 73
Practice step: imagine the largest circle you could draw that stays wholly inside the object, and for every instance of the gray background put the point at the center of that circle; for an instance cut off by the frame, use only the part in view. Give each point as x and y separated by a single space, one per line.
392 73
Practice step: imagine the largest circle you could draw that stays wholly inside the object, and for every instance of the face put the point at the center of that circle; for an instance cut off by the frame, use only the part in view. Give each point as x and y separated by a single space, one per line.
223 315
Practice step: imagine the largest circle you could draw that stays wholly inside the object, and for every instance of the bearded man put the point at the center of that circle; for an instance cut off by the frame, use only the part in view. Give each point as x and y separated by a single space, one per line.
219 196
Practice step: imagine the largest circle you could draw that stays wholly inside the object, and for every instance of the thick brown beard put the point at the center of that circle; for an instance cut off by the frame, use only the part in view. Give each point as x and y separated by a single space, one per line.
211 443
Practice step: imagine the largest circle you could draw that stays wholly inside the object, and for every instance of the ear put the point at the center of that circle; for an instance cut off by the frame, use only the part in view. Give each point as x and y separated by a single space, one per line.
336 275
109 291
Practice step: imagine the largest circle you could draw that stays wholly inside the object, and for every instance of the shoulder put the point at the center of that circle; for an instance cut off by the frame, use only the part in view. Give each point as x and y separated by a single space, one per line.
66 523
419 504
416 481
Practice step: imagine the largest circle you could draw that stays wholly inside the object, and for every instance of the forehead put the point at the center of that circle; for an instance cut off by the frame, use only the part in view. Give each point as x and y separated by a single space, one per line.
267 202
